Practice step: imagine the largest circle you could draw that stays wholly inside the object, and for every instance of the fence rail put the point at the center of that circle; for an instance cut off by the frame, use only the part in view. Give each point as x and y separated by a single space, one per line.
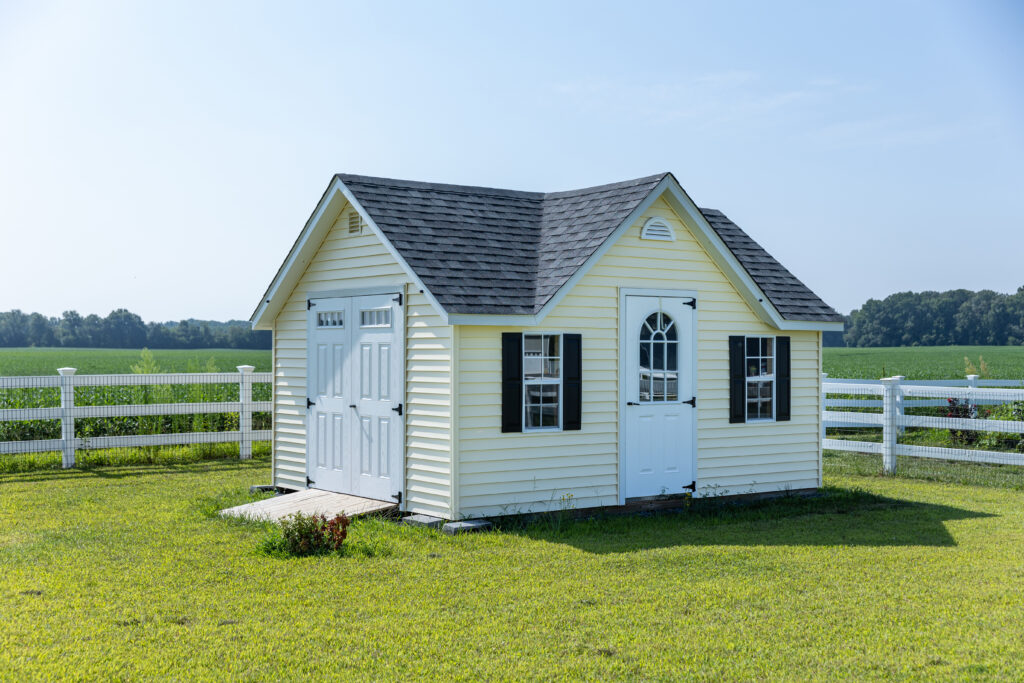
66 381
898 396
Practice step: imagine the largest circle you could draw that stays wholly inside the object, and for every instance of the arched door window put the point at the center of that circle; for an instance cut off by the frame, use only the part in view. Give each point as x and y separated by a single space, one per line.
659 359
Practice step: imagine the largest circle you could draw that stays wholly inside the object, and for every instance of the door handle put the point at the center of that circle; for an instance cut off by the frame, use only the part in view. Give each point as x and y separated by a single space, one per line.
352 405
632 403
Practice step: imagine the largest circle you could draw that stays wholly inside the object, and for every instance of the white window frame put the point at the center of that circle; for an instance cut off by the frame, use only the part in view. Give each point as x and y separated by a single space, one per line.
760 378
544 381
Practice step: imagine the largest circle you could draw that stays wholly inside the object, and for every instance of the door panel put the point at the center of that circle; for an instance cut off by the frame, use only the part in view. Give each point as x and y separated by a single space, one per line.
658 453
364 388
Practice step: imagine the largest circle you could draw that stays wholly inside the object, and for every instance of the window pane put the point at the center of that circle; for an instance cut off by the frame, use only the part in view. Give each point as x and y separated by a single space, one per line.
551 345
549 416
551 368
752 410
671 333
531 345
766 366
751 390
767 347
673 351
671 386
645 356
753 346
645 333
766 390
533 416
645 386
532 367
533 393
658 386
659 356
753 367
549 393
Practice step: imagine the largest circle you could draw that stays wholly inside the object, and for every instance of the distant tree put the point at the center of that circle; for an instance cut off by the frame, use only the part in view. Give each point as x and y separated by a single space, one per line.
124 330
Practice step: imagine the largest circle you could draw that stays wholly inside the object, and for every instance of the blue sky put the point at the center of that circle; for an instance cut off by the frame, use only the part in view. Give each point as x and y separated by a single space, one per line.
163 156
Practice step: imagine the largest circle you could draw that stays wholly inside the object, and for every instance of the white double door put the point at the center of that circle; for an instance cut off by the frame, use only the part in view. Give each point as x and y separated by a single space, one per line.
659 421
354 438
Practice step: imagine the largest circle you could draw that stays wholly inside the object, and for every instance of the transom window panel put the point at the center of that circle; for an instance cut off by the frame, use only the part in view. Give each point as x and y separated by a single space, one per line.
542 381
330 319
760 372
375 317
659 359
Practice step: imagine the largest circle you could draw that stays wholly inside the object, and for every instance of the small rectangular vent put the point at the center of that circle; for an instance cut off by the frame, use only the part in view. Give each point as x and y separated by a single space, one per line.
330 319
375 317
355 223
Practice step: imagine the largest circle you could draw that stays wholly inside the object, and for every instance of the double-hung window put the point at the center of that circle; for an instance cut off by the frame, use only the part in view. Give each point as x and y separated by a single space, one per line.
542 381
760 376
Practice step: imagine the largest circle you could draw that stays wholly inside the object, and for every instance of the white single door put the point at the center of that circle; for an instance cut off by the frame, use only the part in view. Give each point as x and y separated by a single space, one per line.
377 396
329 416
658 451
355 441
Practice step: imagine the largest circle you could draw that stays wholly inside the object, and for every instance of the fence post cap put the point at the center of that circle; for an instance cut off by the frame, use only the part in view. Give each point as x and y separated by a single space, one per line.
973 377
899 377
65 372
245 369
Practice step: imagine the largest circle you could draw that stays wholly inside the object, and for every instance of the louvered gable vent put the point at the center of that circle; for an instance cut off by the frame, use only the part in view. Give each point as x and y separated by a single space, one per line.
657 229
355 223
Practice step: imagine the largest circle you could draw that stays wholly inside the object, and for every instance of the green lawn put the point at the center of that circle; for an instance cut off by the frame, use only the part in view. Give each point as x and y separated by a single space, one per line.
120 573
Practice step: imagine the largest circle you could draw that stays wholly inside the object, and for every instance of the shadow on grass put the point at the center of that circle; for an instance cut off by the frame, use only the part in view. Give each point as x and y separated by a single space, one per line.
128 471
835 516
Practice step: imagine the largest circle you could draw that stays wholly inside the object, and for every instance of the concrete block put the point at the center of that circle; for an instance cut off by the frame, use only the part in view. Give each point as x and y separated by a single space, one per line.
465 526
423 520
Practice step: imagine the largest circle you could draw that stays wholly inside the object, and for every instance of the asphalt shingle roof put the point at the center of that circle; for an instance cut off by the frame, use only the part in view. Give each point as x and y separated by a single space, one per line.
485 250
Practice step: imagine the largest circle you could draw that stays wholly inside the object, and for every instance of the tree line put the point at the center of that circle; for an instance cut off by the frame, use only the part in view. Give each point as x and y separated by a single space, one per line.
123 329
958 316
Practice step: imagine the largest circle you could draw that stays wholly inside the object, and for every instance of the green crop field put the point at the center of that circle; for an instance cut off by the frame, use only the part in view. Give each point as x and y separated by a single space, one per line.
110 361
924 362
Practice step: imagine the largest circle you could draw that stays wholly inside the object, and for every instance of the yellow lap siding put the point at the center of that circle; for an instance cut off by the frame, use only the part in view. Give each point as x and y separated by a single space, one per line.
502 473
346 261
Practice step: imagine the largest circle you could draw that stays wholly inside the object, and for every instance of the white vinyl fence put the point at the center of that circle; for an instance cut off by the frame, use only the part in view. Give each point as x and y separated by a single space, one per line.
894 396
67 412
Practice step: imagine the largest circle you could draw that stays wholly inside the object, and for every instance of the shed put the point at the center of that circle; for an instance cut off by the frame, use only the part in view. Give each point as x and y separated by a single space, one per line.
469 351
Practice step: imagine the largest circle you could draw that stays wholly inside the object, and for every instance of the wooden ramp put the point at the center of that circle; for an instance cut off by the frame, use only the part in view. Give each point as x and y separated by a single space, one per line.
309 502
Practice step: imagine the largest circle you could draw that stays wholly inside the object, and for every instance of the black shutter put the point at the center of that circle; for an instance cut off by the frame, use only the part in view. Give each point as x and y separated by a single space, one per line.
737 379
782 379
572 381
511 382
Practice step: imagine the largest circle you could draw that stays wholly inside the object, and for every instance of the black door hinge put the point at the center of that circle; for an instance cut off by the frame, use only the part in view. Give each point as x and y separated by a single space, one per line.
692 303
309 482
692 402
398 299
398 497
309 304
692 486
398 409
310 404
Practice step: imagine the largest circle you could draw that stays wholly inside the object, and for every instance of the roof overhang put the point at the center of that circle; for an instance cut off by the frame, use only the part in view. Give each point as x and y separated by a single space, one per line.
331 204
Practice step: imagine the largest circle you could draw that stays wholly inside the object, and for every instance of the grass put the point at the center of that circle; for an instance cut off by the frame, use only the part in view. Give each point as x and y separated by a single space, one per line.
33 361
123 573
923 362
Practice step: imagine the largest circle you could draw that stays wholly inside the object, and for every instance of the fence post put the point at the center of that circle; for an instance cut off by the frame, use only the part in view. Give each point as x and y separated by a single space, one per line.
899 404
972 384
890 391
824 378
67 420
245 411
